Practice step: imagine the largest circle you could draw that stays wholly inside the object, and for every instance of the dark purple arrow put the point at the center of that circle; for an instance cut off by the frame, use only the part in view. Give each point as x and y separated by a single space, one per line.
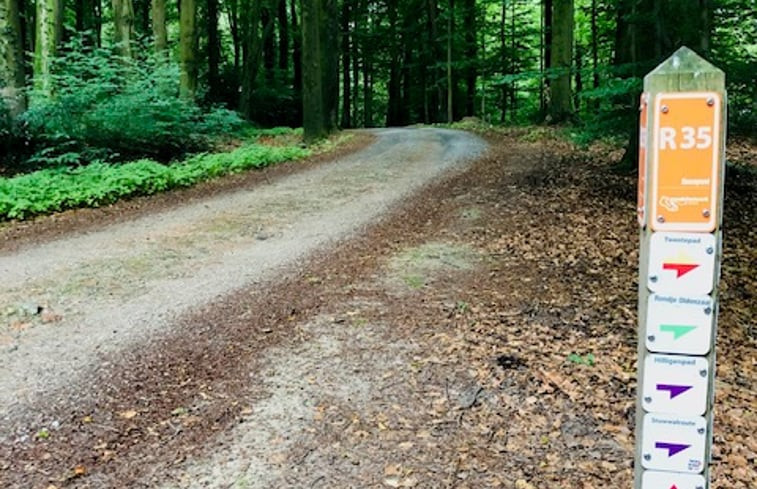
672 448
675 390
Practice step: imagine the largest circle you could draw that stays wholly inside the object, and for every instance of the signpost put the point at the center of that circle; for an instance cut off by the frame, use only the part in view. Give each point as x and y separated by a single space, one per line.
681 170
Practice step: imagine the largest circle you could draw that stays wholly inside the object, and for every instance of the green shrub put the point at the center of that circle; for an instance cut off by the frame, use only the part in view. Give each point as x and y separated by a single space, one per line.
52 190
109 108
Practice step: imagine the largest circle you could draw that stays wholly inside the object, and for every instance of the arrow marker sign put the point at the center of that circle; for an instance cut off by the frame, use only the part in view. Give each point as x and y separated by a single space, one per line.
675 390
681 264
681 269
677 330
672 448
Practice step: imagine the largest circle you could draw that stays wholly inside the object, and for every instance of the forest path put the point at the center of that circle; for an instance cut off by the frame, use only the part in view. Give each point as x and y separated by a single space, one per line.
71 302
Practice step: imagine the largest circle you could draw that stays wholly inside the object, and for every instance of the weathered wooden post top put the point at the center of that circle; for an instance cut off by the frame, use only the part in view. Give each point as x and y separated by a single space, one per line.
681 171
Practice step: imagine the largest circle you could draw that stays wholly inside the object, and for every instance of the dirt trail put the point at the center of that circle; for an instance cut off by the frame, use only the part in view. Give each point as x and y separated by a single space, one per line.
111 289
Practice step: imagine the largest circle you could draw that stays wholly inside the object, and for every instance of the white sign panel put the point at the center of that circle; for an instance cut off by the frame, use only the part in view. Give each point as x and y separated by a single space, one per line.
675 384
673 443
681 263
671 480
677 324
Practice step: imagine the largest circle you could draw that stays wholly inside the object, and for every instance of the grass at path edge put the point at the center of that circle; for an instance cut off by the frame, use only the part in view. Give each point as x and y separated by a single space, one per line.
54 190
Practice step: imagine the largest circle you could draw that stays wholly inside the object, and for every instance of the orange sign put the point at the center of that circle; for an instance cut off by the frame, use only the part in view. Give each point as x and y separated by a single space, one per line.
642 190
685 172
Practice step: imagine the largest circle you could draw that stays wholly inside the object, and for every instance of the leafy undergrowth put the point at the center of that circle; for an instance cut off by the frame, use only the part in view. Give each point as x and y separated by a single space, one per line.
98 184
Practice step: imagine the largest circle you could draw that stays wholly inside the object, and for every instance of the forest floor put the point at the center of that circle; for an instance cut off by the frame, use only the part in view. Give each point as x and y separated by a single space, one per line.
430 311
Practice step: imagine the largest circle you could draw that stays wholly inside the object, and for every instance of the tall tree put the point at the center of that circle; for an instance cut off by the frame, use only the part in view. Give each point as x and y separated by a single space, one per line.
471 70
48 34
11 58
562 56
283 26
269 45
318 82
123 26
213 49
188 48
296 51
159 32
346 65
393 115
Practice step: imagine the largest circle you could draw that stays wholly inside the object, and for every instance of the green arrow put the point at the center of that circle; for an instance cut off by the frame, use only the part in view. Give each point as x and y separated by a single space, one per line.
677 330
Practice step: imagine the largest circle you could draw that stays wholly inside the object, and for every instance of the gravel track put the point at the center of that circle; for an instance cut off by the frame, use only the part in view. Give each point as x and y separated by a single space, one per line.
67 303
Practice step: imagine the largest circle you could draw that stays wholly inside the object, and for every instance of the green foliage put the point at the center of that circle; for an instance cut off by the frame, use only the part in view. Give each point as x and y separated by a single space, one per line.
577 359
100 183
109 108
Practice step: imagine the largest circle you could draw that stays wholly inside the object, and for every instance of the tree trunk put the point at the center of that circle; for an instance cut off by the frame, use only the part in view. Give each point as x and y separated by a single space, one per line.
252 49
435 54
450 90
296 51
188 48
11 58
471 73
346 66
330 43
123 26
313 104
159 33
320 51
236 41
214 51
505 70
47 39
562 49
594 45
579 79
393 106
269 46
283 26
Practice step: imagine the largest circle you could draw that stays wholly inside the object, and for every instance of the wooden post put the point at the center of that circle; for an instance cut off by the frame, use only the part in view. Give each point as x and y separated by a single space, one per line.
682 167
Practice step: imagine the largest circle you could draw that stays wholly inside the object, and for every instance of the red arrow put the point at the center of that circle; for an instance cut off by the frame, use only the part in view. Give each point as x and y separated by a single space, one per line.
681 269
673 487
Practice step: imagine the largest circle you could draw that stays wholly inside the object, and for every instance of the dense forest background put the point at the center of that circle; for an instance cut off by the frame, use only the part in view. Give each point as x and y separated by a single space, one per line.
86 80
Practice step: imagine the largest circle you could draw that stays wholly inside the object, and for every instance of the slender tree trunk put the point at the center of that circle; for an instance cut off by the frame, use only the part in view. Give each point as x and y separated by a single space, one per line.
283 26
505 58
159 33
594 45
437 74
393 106
705 39
330 44
47 39
367 50
11 58
296 51
123 26
471 72
236 41
313 105
450 89
579 79
548 14
562 49
346 66
514 66
269 46
188 48
214 51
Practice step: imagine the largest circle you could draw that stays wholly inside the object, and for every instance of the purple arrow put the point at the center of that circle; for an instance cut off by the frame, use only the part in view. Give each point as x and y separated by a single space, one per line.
675 390
672 448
